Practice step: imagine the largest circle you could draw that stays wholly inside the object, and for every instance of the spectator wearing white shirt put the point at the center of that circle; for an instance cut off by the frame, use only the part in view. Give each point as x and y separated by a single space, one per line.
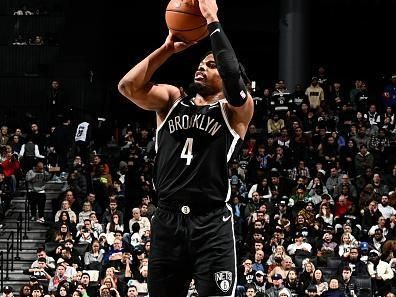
386 210
298 244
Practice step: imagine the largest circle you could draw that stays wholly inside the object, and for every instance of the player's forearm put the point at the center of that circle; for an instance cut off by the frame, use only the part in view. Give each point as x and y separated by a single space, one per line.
140 75
228 66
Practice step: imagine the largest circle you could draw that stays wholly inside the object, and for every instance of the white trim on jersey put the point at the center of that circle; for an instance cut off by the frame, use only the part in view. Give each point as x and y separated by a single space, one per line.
235 254
163 122
232 131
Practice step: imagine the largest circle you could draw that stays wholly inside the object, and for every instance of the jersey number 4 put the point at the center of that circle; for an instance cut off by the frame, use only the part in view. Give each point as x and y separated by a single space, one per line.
187 151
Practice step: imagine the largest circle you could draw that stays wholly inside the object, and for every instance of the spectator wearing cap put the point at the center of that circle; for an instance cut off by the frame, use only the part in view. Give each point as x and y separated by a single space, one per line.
358 268
309 213
299 246
260 281
279 187
8 291
282 212
381 273
277 286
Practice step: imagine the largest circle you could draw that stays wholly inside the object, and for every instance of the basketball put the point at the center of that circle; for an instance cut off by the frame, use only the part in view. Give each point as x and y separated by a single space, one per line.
185 21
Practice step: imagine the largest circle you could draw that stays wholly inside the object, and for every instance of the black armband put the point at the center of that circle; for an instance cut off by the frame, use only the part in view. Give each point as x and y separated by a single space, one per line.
228 66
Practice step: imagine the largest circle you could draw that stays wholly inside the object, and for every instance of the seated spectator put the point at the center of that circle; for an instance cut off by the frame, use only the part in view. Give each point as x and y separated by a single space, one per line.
299 246
84 214
141 281
347 242
325 213
36 40
65 206
381 273
23 11
381 224
63 234
386 210
334 289
93 258
348 283
319 282
85 235
277 287
57 278
114 225
114 253
112 209
96 226
143 221
378 239
358 267
41 271
86 281
293 283
64 219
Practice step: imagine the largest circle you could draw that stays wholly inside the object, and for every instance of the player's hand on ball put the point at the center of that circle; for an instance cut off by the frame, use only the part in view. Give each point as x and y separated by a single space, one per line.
175 45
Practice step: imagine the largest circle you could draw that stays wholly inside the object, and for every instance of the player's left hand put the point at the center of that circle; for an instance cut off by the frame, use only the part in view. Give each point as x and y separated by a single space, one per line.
175 45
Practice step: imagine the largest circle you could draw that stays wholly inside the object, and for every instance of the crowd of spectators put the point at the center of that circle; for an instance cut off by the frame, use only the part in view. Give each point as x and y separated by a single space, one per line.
312 192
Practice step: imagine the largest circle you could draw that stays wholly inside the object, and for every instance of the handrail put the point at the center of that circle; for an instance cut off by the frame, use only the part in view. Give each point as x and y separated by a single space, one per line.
10 248
1 270
18 237
27 211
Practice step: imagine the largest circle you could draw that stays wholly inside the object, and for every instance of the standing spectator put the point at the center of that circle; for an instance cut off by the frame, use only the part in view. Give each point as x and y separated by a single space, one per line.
315 94
37 179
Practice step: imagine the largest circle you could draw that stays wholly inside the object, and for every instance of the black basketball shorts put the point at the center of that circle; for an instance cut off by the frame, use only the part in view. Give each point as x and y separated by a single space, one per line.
187 246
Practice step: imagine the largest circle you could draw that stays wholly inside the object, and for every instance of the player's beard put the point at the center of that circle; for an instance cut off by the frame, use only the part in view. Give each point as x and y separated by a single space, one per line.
201 89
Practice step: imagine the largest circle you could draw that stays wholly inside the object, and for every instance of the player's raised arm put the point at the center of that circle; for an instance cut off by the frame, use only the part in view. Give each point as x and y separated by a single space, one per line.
234 88
138 88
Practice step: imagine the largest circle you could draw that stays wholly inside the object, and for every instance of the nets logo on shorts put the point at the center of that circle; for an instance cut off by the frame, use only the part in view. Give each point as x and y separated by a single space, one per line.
223 280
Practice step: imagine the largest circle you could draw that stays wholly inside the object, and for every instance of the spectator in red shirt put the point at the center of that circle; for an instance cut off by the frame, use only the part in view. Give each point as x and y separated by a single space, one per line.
11 167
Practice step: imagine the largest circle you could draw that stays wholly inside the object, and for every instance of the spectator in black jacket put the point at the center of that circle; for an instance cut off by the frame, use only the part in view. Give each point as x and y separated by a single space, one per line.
358 267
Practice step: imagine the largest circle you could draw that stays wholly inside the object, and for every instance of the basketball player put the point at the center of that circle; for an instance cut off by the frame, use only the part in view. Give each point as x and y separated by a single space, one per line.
192 229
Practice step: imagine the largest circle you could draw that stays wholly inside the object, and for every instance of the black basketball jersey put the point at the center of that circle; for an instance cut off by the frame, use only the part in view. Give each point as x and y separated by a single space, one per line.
194 144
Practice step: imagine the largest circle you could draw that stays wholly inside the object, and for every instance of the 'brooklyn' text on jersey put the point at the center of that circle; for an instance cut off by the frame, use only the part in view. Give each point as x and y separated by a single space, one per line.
199 121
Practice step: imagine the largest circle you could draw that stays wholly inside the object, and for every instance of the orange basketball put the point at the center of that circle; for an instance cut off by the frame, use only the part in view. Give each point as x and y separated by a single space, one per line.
185 21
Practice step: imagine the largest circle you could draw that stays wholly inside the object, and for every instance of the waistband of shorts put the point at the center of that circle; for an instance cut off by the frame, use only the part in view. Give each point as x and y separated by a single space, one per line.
186 207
